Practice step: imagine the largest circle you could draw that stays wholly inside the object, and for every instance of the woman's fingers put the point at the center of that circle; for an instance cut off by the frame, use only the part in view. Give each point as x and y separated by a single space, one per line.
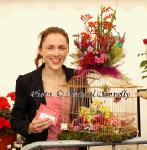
40 128
43 124
38 125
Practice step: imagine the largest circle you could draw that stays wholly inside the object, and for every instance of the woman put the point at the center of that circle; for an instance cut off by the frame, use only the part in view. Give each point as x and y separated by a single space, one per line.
31 87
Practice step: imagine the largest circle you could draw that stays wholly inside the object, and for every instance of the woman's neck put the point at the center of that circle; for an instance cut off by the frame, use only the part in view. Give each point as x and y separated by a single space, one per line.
49 73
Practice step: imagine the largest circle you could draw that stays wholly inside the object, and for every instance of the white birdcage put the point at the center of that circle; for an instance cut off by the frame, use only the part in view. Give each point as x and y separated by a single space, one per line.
103 108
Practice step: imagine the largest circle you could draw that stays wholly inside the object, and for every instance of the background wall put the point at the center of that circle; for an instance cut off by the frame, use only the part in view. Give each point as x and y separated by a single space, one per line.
22 20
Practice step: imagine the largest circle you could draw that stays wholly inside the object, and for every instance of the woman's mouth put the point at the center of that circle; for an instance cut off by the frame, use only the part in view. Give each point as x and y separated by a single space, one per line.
55 60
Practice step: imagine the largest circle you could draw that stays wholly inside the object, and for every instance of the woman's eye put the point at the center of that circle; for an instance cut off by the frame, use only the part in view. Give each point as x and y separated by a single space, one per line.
49 48
62 48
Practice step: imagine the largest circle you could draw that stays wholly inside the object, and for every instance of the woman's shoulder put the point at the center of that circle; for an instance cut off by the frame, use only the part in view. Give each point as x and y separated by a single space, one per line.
36 73
70 69
30 75
70 72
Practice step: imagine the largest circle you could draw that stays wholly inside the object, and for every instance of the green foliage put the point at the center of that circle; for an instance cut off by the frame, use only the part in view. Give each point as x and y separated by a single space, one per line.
5 113
143 65
106 134
116 54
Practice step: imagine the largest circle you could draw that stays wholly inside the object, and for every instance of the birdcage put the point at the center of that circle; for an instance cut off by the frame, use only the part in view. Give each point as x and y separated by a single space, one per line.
103 108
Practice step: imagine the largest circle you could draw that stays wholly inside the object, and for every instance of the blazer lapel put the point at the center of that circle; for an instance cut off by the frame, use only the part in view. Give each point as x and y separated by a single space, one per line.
37 86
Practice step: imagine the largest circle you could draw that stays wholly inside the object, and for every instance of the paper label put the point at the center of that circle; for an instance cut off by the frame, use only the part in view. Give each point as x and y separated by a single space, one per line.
64 126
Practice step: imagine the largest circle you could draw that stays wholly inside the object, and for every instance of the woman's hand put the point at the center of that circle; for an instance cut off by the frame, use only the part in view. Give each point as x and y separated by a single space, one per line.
38 125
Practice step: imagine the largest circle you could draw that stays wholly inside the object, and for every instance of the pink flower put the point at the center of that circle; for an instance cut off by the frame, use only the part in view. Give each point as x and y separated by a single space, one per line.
114 122
89 49
95 127
98 119
101 59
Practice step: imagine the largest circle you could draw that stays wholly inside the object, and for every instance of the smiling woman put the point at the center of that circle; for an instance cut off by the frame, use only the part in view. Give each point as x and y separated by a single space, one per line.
54 43
47 78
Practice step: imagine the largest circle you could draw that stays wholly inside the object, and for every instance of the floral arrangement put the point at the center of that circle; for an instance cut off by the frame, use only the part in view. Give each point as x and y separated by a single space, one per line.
96 116
143 63
98 123
97 47
91 118
6 104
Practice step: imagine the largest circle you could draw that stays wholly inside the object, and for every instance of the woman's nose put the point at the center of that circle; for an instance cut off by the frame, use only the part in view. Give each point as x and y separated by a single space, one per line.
56 52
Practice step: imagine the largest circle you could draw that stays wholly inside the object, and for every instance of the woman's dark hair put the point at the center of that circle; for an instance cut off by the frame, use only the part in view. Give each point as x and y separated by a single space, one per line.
44 34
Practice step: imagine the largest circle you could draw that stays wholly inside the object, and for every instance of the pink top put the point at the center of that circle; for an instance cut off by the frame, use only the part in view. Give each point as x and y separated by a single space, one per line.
61 103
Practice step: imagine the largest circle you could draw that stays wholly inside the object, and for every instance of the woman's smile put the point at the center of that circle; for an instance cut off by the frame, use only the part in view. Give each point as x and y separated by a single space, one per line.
55 60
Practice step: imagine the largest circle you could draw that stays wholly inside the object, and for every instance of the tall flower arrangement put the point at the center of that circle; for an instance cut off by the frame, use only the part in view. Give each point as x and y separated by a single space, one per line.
5 112
99 46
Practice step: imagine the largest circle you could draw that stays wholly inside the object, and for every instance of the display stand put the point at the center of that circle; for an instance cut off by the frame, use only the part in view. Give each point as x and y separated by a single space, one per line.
76 143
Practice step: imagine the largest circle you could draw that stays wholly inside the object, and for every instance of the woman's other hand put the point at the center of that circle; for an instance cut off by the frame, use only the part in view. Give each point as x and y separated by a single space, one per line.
38 125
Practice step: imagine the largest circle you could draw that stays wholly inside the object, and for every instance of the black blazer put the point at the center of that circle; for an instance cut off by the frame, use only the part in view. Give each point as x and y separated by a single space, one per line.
25 105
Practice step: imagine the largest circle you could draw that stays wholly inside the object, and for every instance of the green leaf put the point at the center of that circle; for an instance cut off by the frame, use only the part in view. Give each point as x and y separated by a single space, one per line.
116 54
144 77
116 37
144 71
119 45
143 63
113 18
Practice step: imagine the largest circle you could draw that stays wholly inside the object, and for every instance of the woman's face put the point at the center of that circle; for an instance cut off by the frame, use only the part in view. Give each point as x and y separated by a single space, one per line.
54 50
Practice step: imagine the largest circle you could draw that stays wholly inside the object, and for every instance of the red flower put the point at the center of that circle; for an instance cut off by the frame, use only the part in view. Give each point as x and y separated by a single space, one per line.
86 17
108 25
85 36
2 120
7 124
106 9
89 59
12 95
92 24
85 39
145 41
5 112
4 103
